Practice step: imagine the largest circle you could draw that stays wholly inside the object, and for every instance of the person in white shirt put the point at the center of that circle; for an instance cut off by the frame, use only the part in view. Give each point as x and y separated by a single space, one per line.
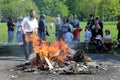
107 39
107 34
68 37
19 30
87 37
29 26
57 26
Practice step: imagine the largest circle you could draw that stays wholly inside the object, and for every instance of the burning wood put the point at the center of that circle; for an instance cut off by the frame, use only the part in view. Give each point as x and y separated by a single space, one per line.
57 52
48 62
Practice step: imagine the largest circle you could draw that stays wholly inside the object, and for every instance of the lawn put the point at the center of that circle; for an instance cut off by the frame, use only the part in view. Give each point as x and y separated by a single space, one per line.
107 25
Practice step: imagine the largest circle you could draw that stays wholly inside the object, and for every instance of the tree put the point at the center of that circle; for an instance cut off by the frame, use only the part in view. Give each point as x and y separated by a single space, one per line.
109 8
22 8
52 7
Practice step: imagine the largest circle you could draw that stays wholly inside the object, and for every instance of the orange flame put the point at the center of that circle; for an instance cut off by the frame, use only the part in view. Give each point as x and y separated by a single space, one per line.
55 49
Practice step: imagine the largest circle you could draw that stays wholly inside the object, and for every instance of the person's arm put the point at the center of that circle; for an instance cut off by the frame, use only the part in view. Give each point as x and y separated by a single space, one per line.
22 26
36 28
118 26
13 24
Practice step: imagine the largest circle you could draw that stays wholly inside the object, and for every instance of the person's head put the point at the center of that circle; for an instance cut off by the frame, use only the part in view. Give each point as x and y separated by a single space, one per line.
107 31
58 15
65 19
97 19
91 16
74 15
10 18
32 13
43 16
20 18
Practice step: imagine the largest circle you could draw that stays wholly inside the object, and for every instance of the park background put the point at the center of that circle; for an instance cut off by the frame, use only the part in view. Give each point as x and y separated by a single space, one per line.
107 10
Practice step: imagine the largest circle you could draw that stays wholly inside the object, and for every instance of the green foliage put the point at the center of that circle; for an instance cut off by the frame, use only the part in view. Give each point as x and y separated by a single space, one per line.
102 8
18 8
105 9
51 7
50 19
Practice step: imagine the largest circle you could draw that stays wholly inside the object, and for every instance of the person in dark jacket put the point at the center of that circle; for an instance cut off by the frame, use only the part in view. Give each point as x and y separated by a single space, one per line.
90 22
10 26
42 29
96 30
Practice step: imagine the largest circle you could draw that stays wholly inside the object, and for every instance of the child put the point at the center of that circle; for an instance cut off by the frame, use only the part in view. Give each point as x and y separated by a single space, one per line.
99 43
107 39
76 34
68 37
107 34
87 37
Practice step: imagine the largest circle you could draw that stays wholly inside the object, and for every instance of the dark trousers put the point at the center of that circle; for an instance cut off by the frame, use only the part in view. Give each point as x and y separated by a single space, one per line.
27 45
118 36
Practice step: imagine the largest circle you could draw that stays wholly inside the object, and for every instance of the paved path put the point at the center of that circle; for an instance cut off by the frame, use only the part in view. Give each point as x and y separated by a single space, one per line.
9 61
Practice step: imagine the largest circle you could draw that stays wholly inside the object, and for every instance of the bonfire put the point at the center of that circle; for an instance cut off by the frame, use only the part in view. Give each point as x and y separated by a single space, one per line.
57 54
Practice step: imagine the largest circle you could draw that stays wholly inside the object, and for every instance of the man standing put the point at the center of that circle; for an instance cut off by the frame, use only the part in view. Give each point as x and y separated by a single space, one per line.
57 26
29 26
74 21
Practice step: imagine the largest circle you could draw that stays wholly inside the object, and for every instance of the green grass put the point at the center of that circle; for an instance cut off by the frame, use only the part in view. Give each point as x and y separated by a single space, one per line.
4 33
107 25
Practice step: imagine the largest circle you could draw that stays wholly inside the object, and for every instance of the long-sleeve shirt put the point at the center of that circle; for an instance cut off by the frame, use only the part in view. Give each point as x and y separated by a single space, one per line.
10 26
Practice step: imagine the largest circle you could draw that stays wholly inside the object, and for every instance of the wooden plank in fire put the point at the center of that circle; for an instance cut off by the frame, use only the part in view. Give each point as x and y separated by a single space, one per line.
49 63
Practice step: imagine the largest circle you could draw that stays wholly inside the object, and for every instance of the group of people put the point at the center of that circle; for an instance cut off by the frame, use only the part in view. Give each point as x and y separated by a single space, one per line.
94 33
11 26
69 31
65 30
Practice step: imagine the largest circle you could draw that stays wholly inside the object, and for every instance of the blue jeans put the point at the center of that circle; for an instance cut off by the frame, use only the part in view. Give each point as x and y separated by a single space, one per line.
19 37
42 35
28 49
10 36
